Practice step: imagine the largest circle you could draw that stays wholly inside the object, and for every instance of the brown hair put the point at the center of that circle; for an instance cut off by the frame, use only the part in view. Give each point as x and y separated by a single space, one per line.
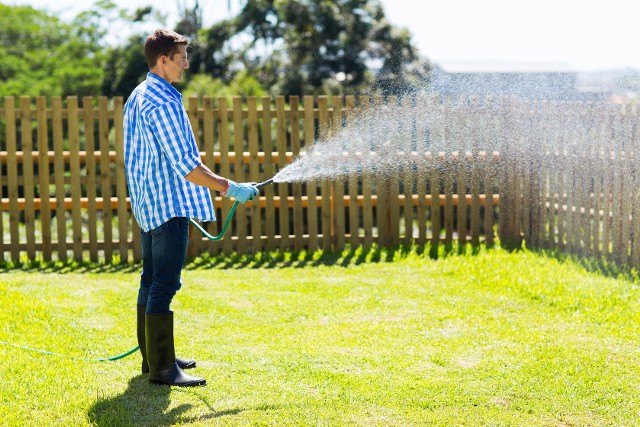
162 42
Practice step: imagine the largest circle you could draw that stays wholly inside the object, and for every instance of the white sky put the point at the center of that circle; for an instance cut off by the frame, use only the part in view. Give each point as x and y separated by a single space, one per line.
583 34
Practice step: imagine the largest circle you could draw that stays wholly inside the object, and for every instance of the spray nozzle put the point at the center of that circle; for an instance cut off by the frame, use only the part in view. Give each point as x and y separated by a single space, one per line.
262 184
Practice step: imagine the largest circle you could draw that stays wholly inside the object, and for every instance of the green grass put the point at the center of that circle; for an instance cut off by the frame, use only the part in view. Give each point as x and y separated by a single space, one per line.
489 339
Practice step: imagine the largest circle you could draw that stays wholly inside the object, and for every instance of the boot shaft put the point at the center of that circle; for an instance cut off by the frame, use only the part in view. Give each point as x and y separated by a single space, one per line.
161 354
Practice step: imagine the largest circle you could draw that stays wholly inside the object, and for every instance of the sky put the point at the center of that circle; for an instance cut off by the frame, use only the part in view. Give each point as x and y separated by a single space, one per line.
584 35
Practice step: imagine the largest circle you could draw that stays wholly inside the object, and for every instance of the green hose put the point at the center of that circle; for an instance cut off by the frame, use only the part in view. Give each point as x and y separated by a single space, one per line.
229 217
224 227
95 359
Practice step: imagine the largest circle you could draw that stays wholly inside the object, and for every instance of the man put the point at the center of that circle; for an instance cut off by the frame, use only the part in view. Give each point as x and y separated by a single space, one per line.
168 184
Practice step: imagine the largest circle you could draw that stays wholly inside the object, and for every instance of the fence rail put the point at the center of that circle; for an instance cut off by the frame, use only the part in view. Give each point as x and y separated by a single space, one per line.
486 166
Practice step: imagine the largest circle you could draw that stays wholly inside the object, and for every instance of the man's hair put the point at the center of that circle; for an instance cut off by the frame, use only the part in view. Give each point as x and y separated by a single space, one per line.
162 42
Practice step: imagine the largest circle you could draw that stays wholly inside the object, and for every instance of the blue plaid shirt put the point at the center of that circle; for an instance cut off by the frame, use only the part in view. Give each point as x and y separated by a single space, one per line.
160 150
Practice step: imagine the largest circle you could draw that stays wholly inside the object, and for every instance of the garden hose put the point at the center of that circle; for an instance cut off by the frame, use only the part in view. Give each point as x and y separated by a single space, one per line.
229 217
90 359
136 348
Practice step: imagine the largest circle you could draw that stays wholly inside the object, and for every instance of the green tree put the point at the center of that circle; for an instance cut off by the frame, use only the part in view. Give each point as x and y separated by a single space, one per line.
41 55
242 85
321 46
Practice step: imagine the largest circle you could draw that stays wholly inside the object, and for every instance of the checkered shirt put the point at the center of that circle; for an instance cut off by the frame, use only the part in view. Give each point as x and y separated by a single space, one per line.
160 150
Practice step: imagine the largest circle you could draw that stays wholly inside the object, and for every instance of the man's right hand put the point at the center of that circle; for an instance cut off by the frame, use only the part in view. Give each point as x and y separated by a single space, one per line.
242 192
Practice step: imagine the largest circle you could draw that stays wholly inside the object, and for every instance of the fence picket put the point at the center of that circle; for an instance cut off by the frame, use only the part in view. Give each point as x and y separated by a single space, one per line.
90 165
462 128
311 187
195 244
43 177
238 173
12 176
366 105
337 186
269 192
421 137
28 183
283 193
74 167
121 182
352 180
254 172
105 177
208 129
325 185
225 169
296 188
59 171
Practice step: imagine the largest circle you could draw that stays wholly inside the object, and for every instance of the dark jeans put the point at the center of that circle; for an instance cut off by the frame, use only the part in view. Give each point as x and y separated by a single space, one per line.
164 250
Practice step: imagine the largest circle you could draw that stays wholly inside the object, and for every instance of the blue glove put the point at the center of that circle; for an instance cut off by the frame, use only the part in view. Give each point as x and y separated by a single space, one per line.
242 192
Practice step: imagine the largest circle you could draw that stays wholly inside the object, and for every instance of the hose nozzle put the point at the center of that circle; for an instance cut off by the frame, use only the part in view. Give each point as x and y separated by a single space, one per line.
262 184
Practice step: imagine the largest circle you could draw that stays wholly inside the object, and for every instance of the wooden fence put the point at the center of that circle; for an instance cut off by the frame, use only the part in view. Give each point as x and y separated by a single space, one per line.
64 192
575 168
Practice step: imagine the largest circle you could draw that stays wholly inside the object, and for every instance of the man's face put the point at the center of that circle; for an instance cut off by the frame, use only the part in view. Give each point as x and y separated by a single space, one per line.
176 64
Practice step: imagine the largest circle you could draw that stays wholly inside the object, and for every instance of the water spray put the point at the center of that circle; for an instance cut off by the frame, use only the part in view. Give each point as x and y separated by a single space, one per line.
229 216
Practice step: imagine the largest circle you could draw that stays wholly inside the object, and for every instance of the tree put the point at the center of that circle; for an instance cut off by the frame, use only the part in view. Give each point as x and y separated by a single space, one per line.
41 55
315 46
242 85
403 71
125 64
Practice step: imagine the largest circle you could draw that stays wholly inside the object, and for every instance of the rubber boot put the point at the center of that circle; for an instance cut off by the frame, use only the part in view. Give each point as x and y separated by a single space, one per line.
161 355
183 363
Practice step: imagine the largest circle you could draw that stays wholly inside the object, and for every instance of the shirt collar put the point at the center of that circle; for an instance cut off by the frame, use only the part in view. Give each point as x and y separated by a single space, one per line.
155 79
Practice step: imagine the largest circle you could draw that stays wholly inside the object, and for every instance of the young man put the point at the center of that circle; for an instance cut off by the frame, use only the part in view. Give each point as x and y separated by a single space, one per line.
168 184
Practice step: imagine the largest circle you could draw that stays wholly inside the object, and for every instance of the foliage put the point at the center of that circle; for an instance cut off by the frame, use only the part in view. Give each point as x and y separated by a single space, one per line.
291 47
41 55
125 64
125 67
494 338
242 85
320 46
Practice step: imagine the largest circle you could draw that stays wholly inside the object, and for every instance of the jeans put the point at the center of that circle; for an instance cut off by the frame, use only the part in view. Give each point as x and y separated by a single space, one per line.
164 250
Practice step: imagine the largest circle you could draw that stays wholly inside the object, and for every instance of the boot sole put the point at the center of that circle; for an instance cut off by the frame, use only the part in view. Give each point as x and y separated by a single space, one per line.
189 384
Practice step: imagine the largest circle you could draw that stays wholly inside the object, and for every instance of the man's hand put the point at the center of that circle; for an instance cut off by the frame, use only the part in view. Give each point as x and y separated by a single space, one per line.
242 192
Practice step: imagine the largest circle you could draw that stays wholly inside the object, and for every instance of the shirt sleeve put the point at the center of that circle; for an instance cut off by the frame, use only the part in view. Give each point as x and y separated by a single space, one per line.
174 135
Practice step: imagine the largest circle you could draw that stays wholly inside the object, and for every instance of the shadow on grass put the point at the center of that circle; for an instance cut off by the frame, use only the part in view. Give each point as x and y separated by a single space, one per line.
266 259
604 266
599 265
346 258
144 404
61 267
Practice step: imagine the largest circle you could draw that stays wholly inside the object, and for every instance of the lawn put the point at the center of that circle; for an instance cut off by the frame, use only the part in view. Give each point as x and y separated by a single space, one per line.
378 339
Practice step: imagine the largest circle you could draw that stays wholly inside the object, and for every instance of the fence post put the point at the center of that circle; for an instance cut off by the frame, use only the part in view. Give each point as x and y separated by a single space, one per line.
12 176
74 166
325 187
309 140
254 172
90 163
44 176
28 184
121 182
281 148
507 188
267 147
298 219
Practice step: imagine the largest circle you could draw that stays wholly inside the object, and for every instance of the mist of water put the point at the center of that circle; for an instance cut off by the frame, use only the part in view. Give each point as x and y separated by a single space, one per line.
417 135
